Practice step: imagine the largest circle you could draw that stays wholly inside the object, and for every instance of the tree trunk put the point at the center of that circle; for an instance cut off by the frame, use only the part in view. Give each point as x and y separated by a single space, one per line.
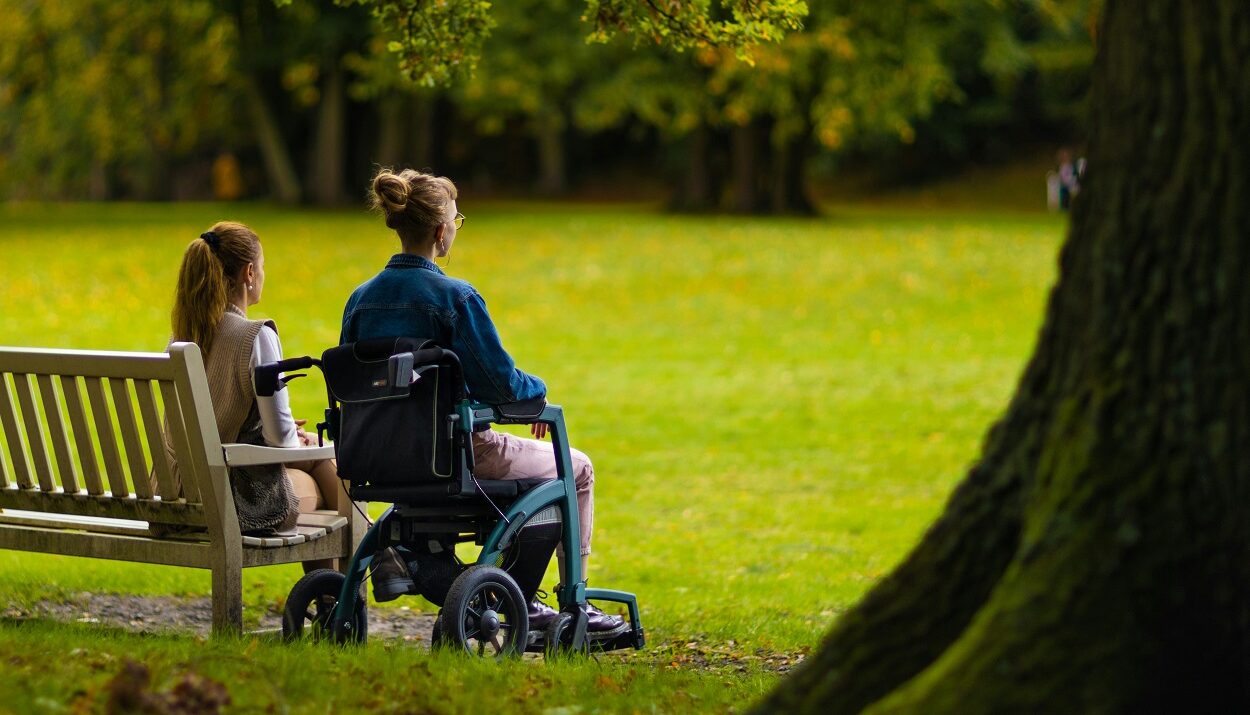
327 180
789 189
749 160
553 165
390 147
699 190
1097 558
283 181
422 127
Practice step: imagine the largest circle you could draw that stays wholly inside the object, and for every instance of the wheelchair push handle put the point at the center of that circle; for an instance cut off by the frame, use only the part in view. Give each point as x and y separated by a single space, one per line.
266 375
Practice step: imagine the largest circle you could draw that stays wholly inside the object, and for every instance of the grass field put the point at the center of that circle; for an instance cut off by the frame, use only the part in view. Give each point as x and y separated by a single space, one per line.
776 409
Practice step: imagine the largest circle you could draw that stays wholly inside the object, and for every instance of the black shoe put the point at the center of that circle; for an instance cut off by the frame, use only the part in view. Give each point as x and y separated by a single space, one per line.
600 624
541 615
390 577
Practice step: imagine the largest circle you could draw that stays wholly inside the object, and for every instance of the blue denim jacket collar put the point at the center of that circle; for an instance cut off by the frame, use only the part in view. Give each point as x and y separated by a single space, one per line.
407 260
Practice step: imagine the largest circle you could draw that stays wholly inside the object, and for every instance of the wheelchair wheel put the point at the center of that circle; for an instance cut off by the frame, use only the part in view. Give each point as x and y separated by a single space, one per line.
485 614
310 608
559 637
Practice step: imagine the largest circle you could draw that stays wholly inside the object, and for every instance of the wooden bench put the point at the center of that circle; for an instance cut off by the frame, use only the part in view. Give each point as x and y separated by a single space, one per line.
84 471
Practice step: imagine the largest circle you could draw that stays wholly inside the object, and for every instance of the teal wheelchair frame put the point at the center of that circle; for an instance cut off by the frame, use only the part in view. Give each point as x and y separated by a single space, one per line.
346 621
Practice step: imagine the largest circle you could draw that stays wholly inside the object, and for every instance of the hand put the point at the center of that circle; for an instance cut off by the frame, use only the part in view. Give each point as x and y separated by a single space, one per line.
300 423
539 430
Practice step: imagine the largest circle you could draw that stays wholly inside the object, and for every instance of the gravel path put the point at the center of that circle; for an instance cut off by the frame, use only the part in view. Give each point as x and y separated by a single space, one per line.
157 614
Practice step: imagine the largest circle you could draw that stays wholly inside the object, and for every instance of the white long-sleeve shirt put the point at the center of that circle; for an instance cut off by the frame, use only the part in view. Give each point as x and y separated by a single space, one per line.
277 424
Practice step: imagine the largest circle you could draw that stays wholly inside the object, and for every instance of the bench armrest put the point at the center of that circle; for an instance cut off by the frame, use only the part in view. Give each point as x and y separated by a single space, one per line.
242 455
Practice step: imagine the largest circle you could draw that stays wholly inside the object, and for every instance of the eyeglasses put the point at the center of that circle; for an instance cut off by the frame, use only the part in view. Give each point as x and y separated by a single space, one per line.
458 220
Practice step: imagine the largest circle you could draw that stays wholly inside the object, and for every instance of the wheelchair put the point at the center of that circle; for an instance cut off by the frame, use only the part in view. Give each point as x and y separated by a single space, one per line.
401 426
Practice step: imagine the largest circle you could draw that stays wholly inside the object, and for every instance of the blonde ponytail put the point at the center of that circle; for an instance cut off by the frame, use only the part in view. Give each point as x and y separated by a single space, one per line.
208 276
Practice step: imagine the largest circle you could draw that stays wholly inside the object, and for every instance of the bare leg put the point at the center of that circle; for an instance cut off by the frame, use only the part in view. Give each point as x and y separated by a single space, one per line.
310 499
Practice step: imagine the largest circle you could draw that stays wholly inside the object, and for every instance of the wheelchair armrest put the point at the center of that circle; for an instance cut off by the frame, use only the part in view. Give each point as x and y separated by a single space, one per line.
514 413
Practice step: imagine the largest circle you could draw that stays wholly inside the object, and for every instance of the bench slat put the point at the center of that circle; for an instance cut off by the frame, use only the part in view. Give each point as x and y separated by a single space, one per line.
269 542
125 412
88 363
174 423
56 430
156 441
311 533
58 502
76 523
34 431
13 436
108 442
82 434
106 546
323 519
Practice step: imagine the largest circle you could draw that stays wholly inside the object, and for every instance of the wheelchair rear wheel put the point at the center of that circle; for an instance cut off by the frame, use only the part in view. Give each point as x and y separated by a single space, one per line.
485 614
310 608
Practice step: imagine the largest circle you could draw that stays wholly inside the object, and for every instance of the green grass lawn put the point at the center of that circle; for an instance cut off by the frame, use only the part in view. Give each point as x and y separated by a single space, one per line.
775 408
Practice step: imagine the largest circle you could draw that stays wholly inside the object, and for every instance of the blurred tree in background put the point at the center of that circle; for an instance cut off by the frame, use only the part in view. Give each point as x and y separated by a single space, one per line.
727 106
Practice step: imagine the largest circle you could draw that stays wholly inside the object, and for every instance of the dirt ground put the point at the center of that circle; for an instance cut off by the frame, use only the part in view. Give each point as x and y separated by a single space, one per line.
143 614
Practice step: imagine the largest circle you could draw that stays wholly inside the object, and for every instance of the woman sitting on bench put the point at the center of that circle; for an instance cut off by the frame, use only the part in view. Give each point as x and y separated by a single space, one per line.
222 274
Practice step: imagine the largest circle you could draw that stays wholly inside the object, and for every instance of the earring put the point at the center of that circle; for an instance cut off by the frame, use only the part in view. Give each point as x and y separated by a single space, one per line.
249 286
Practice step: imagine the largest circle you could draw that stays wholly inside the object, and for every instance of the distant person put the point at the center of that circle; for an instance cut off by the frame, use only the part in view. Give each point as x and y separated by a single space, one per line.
412 297
1069 177
222 274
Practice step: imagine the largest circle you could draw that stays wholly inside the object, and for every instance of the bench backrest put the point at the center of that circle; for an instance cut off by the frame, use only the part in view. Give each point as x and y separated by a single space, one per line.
84 432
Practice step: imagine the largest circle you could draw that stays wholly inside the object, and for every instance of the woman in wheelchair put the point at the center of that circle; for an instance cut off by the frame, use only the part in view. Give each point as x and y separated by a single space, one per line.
222 274
412 297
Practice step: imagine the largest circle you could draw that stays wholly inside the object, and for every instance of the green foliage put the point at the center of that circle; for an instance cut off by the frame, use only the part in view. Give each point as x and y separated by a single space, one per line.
438 42
740 25
534 65
90 87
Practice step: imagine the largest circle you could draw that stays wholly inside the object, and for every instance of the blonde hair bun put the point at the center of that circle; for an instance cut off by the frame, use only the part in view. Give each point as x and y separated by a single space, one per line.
414 202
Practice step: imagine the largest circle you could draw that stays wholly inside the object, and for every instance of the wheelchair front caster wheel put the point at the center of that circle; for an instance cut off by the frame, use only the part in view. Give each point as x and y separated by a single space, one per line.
559 639
310 608
485 614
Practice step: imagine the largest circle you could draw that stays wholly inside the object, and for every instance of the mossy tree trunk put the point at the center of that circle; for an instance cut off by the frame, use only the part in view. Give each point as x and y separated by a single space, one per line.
1097 557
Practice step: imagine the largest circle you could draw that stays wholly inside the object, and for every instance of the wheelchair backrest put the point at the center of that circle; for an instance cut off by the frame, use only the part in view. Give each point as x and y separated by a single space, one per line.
394 430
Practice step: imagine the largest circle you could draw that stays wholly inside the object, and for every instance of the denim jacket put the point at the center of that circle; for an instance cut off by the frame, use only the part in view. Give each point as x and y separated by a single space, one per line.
413 298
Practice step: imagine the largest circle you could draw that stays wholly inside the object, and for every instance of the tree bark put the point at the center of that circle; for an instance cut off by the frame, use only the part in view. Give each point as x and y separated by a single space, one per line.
699 191
390 146
789 183
327 179
283 181
1097 557
749 161
553 177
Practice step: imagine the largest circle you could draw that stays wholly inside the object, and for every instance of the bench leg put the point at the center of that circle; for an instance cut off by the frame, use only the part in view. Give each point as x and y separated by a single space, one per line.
227 599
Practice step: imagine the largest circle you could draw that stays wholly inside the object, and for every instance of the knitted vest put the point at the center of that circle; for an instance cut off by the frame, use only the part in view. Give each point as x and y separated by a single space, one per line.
263 498
228 364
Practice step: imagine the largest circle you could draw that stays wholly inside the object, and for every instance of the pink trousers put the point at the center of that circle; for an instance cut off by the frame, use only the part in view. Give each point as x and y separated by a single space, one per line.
499 455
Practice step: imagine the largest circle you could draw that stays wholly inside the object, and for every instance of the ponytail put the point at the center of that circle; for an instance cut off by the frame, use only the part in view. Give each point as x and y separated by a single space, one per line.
206 279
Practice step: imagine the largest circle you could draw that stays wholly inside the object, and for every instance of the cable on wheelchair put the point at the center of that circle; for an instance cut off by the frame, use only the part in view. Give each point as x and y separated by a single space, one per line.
482 491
